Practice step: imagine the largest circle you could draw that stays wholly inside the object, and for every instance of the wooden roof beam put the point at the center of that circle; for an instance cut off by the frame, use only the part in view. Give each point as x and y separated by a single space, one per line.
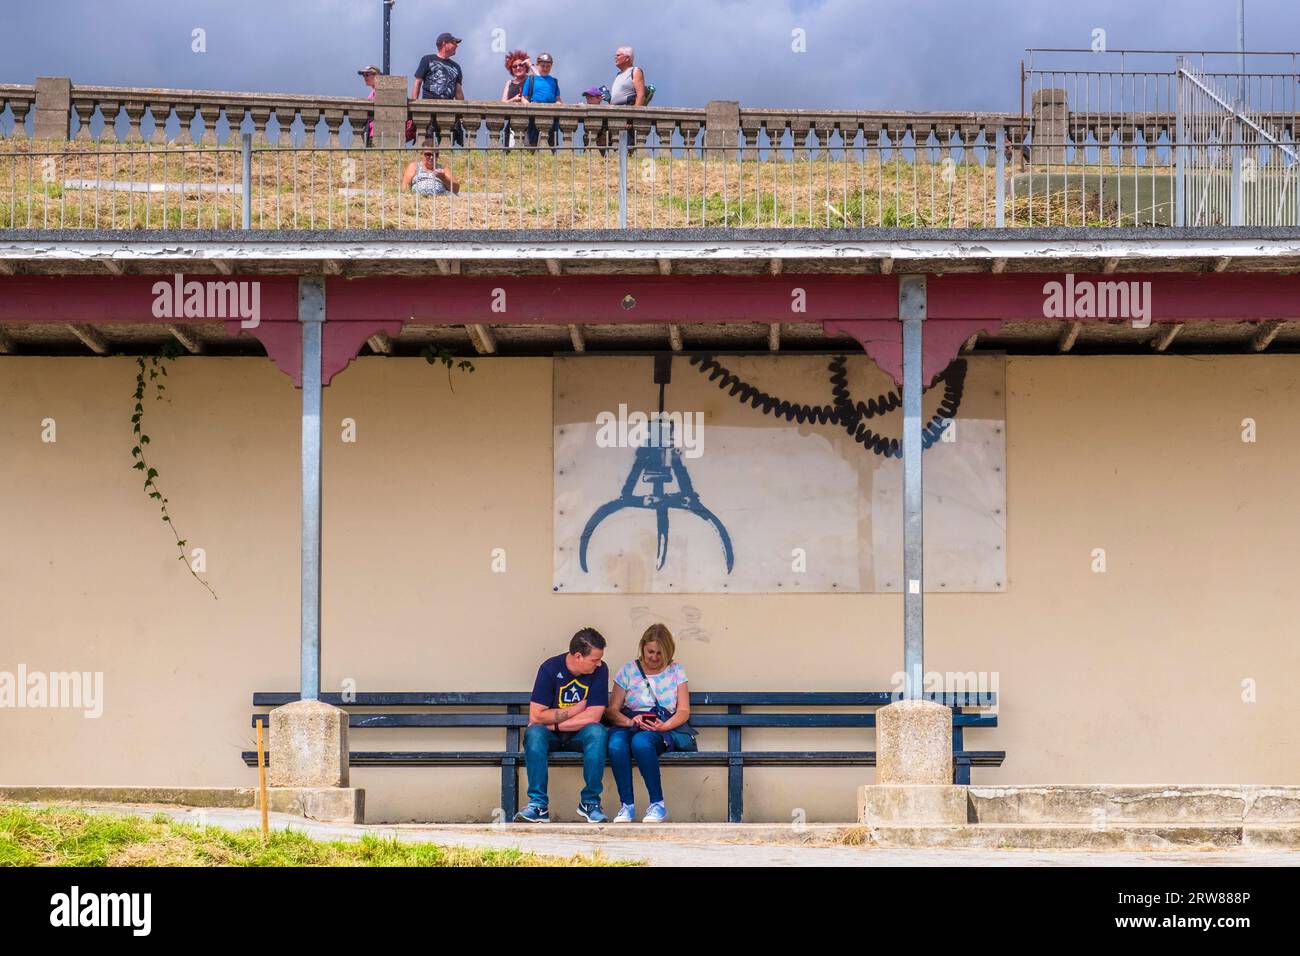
575 336
484 341
187 339
1265 335
91 338
1069 337
1166 335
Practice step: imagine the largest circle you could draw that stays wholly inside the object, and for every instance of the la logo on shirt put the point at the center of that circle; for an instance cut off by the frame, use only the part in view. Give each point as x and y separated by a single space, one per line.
572 692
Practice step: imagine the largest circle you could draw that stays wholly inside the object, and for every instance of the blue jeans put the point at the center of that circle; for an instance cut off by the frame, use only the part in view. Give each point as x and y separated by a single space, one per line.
540 740
645 746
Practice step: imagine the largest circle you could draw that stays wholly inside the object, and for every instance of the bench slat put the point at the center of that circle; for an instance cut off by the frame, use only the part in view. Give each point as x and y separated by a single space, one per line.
370 721
417 758
698 698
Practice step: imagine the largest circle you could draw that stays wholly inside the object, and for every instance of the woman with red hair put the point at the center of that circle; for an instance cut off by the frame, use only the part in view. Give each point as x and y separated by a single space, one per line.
517 65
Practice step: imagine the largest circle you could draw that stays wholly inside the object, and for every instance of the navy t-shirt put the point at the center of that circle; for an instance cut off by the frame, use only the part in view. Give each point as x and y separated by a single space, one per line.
439 77
556 686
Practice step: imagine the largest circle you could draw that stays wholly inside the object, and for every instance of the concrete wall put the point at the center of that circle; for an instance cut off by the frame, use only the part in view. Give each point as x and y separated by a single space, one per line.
1131 676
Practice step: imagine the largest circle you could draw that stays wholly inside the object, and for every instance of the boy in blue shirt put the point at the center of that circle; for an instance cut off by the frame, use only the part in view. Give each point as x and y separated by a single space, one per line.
564 713
541 87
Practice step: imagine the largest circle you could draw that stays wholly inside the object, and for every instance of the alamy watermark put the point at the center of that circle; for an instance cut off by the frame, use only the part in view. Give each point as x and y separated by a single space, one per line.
1092 299
979 687
73 690
209 299
624 429
75 908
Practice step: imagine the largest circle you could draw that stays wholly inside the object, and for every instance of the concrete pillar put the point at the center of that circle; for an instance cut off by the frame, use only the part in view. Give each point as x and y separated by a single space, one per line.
722 123
1050 122
390 111
309 745
913 769
910 805
53 108
914 743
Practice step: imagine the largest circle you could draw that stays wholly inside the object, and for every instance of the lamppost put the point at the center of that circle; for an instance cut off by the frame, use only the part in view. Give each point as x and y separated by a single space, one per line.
388 14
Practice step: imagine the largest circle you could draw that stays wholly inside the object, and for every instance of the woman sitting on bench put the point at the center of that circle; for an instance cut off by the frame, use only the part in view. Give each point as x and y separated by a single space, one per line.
425 177
648 711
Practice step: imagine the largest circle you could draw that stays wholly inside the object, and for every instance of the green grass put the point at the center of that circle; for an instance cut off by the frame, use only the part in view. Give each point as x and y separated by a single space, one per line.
52 836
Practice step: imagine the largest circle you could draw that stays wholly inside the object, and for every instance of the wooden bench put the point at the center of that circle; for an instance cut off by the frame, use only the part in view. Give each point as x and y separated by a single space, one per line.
512 715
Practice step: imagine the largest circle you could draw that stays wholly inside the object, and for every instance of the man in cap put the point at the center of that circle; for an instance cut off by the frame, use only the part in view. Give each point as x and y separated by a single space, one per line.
439 77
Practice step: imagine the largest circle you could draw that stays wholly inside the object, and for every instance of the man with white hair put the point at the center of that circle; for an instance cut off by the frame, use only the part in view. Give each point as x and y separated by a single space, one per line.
628 88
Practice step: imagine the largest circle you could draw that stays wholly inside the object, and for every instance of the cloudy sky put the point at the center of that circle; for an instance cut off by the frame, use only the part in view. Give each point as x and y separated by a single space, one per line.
886 54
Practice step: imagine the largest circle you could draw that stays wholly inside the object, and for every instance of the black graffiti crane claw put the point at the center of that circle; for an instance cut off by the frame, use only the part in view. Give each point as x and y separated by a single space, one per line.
659 466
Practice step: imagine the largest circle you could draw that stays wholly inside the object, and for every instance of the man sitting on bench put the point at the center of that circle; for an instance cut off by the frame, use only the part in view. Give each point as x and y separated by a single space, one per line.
564 713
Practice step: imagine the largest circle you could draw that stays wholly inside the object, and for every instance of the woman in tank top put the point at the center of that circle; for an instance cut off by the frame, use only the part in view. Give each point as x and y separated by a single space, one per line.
425 177
519 67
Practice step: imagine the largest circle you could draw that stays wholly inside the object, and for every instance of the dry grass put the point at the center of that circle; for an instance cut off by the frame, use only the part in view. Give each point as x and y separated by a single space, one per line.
67 837
518 188
856 836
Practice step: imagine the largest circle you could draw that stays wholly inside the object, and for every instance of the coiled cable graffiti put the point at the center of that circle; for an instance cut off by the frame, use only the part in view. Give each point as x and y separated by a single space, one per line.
843 411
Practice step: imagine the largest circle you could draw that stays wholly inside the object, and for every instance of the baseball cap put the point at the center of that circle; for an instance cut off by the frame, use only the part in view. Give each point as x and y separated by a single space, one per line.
447 38
593 91
544 58
370 69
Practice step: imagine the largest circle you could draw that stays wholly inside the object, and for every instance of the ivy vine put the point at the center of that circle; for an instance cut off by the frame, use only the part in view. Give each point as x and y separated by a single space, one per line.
151 370
433 354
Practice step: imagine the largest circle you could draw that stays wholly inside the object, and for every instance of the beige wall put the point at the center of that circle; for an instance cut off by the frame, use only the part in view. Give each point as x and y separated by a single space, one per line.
1132 676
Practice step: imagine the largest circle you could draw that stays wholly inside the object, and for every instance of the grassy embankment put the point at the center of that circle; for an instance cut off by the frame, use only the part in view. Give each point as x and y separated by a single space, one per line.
52 836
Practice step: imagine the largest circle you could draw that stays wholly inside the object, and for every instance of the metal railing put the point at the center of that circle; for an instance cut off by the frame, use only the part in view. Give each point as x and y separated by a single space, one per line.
613 186
1181 147
608 185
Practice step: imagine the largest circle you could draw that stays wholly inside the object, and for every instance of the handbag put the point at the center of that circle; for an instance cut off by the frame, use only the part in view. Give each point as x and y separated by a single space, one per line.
660 712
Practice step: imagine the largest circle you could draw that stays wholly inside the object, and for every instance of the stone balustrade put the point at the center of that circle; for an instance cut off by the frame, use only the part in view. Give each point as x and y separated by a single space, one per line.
60 111
199 117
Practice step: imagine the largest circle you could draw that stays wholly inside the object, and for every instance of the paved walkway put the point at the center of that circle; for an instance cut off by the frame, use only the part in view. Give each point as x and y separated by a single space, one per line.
661 852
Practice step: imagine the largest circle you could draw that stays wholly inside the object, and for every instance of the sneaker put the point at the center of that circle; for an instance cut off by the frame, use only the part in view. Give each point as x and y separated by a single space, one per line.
625 813
533 814
592 813
657 813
